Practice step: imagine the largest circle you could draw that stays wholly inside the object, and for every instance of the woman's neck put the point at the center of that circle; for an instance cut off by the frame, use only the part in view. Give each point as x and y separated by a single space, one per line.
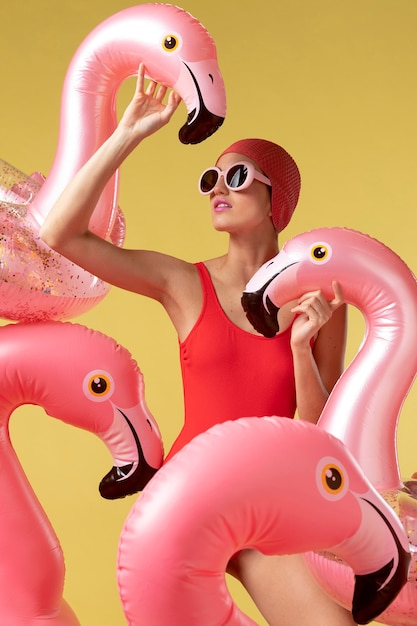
239 264
251 252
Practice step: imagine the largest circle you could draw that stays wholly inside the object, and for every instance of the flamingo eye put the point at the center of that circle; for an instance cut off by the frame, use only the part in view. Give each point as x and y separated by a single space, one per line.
98 386
320 252
332 479
171 42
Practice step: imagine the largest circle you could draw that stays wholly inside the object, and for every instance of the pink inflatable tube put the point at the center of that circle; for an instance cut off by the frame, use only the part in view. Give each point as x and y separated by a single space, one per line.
364 408
274 484
89 381
35 282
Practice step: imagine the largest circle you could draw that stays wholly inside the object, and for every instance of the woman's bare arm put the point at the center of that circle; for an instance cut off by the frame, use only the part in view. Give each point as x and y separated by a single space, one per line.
66 228
317 367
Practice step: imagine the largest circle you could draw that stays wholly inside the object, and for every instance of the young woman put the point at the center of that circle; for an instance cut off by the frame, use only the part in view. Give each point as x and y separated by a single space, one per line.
253 191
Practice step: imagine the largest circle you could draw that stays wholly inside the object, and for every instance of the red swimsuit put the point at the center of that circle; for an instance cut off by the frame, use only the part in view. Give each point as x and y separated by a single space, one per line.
229 373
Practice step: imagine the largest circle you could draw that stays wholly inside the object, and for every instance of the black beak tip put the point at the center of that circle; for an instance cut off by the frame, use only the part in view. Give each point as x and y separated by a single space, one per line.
264 321
371 597
205 125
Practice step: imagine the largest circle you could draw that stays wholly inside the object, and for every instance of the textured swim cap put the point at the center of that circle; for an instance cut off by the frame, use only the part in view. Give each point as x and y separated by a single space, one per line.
281 170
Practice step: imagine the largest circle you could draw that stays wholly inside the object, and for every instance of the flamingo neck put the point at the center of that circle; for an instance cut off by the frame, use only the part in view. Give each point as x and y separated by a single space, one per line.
364 407
88 116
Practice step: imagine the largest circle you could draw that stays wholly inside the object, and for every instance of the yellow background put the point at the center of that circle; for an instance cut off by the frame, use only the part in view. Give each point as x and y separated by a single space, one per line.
333 81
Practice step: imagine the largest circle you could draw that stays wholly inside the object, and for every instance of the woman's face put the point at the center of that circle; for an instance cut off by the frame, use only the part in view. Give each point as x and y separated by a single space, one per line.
242 210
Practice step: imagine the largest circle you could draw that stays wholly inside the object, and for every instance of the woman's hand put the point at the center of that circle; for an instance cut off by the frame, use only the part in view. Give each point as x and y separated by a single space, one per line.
313 311
146 112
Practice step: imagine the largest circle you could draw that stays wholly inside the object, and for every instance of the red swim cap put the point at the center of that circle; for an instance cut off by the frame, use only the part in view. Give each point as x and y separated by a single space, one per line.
281 170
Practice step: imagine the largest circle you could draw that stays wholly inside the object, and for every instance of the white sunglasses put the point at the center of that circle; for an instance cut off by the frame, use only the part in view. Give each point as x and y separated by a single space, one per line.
236 177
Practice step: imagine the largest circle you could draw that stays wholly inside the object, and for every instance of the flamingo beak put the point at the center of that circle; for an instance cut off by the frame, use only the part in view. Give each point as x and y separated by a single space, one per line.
201 86
199 127
375 591
261 311
127 480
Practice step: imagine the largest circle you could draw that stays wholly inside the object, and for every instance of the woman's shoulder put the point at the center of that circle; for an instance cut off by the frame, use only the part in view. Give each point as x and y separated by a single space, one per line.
214 265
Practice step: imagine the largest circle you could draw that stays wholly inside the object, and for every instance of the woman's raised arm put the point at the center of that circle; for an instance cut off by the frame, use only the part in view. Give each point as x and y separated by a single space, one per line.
66 228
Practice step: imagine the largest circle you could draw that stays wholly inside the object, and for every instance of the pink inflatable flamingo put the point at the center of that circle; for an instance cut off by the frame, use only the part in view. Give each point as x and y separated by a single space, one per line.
97 387
278 485
35 282
364 408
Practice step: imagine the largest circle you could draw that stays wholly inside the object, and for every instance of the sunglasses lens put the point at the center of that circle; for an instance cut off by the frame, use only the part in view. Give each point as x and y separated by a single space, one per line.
237 176
208 181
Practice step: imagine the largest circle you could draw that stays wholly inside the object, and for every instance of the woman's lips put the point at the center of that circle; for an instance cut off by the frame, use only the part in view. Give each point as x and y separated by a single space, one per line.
221 205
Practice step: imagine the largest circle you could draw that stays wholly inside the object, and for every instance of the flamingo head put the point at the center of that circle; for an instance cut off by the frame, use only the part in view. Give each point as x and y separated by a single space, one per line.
184 55
88 380
178 52
369 273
